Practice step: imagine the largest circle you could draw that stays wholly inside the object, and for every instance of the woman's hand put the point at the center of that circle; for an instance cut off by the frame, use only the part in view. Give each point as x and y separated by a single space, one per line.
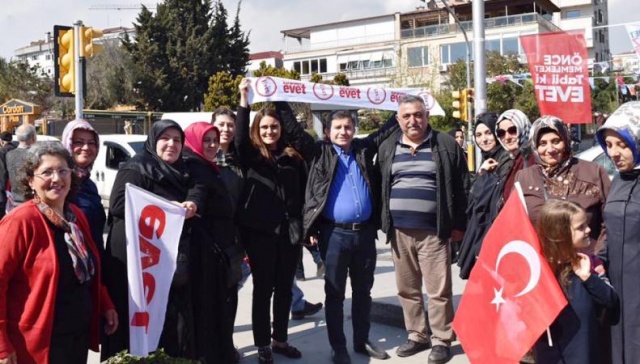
11 359
244 92
583 267
111 319
489 165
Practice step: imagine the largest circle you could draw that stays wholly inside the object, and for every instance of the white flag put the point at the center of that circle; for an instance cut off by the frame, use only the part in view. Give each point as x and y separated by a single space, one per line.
269 88
153 227
634 33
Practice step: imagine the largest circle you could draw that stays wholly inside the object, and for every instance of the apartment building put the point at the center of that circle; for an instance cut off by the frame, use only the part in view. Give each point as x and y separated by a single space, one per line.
416 48
39 54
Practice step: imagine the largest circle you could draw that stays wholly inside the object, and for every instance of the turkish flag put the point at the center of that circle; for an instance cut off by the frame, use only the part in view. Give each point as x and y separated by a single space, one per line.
512 295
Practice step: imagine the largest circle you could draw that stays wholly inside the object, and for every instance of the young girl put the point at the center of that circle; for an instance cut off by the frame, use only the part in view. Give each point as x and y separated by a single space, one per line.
564 231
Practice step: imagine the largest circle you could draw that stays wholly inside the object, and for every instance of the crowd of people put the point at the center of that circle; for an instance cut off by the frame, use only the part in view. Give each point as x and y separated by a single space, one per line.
255 194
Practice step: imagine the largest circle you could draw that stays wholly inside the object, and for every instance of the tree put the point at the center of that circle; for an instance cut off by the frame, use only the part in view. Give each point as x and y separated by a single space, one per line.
223 91
110 78
179 48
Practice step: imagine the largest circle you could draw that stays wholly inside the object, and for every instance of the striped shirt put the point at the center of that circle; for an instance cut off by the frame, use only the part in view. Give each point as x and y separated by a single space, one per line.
413 187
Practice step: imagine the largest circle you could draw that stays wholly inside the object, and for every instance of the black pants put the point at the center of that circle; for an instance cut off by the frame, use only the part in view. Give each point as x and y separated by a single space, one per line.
273 262
69 348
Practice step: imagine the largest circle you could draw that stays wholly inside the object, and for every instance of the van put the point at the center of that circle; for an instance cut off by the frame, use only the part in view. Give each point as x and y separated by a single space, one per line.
115 149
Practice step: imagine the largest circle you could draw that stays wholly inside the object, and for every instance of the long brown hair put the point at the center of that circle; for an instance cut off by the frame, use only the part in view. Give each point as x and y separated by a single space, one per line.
556 238
257 142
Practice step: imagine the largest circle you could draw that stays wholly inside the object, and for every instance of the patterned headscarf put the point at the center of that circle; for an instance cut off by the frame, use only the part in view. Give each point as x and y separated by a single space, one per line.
626 122
554 124
67 135
521 122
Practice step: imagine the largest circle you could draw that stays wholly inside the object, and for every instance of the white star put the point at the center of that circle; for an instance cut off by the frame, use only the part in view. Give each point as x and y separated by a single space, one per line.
498 300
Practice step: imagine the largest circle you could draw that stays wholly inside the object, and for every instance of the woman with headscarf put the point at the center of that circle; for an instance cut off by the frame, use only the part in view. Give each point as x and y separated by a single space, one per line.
214 281
620 138
82 141
558 175
486 193
512 130
158 169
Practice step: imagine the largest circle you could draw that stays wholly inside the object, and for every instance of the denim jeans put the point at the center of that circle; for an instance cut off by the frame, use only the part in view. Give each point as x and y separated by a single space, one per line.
297 301
354 253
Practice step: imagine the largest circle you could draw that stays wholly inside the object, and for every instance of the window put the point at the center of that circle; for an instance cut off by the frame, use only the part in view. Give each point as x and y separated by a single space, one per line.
47 57
323 65
418 56
115 156
35 58
305 68
491 45
510 46
572 14
314 66
296 67
450 53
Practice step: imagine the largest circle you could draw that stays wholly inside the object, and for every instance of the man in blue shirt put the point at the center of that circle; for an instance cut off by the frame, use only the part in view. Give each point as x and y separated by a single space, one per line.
340 215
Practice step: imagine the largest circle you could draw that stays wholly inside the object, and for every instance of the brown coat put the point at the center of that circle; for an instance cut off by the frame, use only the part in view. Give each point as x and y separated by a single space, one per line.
585 183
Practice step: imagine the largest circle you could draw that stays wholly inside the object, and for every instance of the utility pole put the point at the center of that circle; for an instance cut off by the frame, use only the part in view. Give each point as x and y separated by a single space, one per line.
79 69
479 64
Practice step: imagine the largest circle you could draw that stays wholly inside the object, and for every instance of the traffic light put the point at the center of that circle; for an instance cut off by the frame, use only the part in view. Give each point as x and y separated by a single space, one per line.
88 48
459 104
64 61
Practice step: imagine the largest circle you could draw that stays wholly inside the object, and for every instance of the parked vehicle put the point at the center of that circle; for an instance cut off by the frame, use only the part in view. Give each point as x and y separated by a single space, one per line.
115 149
596 154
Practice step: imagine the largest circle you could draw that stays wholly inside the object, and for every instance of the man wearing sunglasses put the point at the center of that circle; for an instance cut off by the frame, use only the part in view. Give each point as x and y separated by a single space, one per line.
424 184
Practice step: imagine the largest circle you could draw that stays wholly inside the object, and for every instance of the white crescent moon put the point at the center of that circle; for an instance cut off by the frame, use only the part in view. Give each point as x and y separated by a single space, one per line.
530 255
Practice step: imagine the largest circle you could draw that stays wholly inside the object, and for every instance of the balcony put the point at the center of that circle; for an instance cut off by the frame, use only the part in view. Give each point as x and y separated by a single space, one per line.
358 74
490 23
307 46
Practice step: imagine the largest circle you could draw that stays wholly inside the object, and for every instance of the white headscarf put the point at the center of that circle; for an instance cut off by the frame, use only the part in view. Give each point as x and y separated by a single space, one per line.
521 122
626 122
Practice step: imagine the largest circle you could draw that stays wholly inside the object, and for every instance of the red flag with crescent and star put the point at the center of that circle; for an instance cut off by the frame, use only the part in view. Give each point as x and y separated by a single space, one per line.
512 295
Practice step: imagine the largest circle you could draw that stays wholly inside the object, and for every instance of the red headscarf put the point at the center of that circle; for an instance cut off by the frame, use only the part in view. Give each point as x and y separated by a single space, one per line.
194 134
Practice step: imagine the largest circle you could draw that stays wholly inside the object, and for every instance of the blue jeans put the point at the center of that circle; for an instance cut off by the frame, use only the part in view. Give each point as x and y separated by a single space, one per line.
297 301
354 253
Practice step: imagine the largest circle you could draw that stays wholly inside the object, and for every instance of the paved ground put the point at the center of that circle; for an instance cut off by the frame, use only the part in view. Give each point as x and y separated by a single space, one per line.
310 335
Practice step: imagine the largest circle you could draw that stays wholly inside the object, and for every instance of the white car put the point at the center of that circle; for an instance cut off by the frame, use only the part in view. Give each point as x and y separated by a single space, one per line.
115 149
596 154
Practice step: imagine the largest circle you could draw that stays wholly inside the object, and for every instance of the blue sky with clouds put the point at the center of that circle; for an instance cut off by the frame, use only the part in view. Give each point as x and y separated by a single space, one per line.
24 21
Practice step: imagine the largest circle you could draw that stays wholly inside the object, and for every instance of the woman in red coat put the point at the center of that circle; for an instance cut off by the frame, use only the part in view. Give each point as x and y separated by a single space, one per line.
51 295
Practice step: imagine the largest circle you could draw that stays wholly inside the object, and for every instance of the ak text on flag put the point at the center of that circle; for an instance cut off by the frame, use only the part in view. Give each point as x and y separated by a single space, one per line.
558 63
512 295
153 227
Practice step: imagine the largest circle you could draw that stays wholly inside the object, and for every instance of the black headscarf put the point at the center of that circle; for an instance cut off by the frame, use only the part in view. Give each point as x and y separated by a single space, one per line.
490 119
149 164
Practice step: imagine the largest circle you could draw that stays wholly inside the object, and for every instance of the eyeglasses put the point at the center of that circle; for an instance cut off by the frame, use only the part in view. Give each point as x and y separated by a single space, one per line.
48 174
512 130
82 143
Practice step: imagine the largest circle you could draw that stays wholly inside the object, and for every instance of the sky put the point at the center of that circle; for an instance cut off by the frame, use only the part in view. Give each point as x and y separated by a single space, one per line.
24 21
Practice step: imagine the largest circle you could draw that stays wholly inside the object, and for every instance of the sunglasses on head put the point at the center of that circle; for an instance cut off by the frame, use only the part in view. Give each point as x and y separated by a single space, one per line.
511 130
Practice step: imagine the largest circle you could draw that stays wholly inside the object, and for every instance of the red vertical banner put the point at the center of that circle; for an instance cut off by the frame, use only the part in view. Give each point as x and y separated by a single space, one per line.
560 72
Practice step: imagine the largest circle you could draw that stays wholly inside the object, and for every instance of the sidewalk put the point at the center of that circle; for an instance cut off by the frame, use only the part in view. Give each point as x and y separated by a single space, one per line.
310 336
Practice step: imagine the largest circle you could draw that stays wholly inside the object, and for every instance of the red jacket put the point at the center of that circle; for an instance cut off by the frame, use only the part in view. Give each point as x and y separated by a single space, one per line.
28 284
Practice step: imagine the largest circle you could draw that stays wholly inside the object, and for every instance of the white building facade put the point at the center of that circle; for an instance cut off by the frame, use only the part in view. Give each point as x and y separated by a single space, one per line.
415 48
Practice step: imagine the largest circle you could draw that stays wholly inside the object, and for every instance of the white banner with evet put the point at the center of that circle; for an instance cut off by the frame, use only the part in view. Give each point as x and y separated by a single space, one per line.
634 33
269 88
153 227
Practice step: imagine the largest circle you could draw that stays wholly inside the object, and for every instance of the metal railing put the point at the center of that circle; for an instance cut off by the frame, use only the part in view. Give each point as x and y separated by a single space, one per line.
490 23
